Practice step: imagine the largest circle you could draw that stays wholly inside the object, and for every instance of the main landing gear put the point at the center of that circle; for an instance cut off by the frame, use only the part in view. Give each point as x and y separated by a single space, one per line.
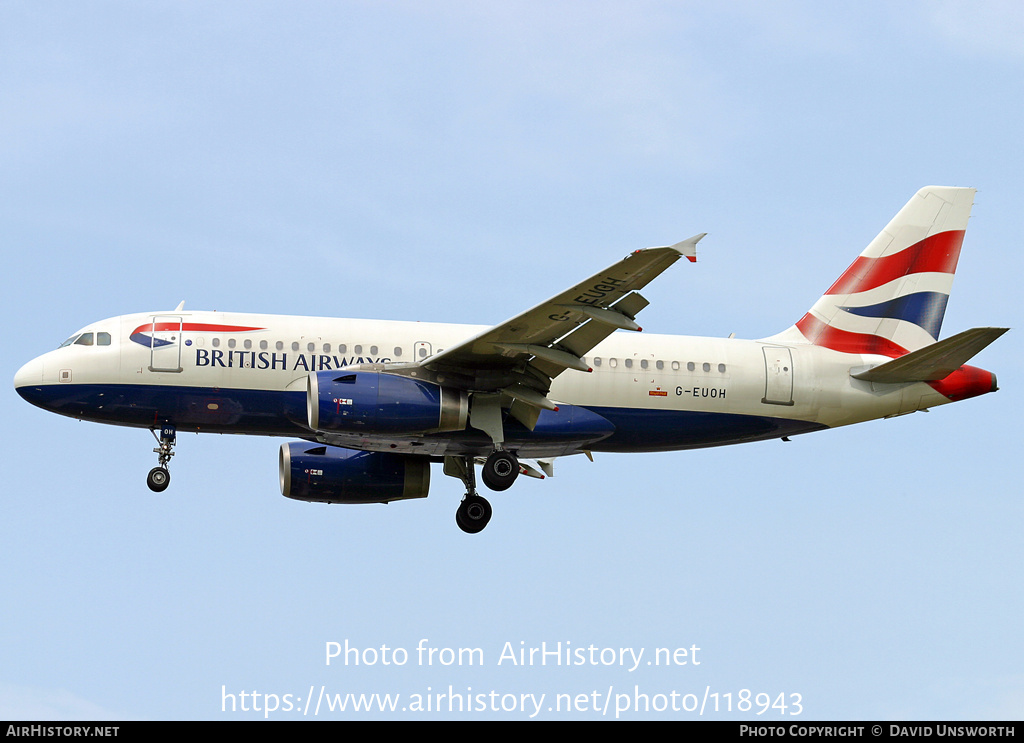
499 471
473 513
159 478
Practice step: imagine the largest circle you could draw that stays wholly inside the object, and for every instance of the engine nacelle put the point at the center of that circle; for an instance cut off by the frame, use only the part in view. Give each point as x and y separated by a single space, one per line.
329 474
374 403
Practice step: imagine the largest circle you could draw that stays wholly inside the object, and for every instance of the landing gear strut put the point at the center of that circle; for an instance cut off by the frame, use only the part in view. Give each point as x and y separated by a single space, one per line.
159 478
474 512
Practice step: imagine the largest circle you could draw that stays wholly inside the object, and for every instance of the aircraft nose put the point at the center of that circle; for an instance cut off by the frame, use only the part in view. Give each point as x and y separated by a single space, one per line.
28 375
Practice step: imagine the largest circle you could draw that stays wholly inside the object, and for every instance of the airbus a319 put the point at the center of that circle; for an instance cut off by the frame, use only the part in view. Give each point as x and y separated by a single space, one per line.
374 403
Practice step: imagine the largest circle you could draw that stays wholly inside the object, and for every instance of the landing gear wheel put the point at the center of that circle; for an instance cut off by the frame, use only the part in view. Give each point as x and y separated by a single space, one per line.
158 479
473 514
500 470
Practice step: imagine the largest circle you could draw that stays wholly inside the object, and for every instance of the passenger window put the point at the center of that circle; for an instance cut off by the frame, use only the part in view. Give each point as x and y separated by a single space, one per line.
311 347
357 350
629 363
103 339
613 363
690 366
675 366
660 364
85 339
706 367
643 363
279 345
295 345
721 368
373 350
231 342
247 344
263 345
597 361
327 348
215 343
398 352
342 348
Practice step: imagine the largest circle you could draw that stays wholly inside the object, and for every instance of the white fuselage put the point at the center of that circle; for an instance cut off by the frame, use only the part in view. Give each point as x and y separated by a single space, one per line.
232 373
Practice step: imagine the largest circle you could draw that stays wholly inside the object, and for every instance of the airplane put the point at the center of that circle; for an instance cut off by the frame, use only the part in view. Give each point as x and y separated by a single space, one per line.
374 403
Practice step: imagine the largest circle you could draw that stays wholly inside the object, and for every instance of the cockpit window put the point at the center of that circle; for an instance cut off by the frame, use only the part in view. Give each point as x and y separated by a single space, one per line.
87 339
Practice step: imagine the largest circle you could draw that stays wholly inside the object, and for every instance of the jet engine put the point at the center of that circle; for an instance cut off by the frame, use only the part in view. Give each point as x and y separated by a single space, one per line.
330 474
371 402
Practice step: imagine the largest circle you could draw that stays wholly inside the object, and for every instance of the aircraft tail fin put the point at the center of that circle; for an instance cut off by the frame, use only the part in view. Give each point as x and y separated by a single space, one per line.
892 299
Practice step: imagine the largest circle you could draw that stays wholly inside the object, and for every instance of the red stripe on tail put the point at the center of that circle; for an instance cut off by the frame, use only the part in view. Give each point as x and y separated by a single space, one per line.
820 334
938 253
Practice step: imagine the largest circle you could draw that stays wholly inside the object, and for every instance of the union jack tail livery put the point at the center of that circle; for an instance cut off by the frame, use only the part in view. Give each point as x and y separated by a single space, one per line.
891 300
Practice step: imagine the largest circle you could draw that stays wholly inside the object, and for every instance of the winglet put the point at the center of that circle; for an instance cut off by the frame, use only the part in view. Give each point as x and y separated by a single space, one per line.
689 247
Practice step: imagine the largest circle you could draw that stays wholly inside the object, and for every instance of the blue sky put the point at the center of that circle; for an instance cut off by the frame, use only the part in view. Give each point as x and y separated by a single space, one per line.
461 162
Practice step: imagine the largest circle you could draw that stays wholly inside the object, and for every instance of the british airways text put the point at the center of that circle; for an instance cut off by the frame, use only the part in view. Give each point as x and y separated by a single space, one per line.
272 361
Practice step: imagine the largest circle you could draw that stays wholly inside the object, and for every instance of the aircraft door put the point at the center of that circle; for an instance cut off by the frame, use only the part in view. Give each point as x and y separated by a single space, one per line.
165 344
778 373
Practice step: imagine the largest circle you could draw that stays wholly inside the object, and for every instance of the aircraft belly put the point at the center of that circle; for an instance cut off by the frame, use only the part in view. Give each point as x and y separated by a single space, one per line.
639 430
210 410
275 413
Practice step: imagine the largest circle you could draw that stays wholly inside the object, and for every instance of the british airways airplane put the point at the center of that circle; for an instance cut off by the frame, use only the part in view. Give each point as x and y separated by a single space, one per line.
374 403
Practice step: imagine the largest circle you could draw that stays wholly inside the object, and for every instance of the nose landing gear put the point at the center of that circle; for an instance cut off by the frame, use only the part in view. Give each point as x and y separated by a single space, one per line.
159 478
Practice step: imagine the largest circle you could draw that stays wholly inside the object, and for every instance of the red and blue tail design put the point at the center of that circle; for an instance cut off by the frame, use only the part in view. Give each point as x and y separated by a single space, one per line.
892 299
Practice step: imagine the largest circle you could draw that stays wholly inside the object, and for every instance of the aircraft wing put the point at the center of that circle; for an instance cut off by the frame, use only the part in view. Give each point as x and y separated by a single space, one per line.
522 355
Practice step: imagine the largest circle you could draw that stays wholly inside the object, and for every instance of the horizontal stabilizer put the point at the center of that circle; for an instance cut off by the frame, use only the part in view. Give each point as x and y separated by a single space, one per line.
934 362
